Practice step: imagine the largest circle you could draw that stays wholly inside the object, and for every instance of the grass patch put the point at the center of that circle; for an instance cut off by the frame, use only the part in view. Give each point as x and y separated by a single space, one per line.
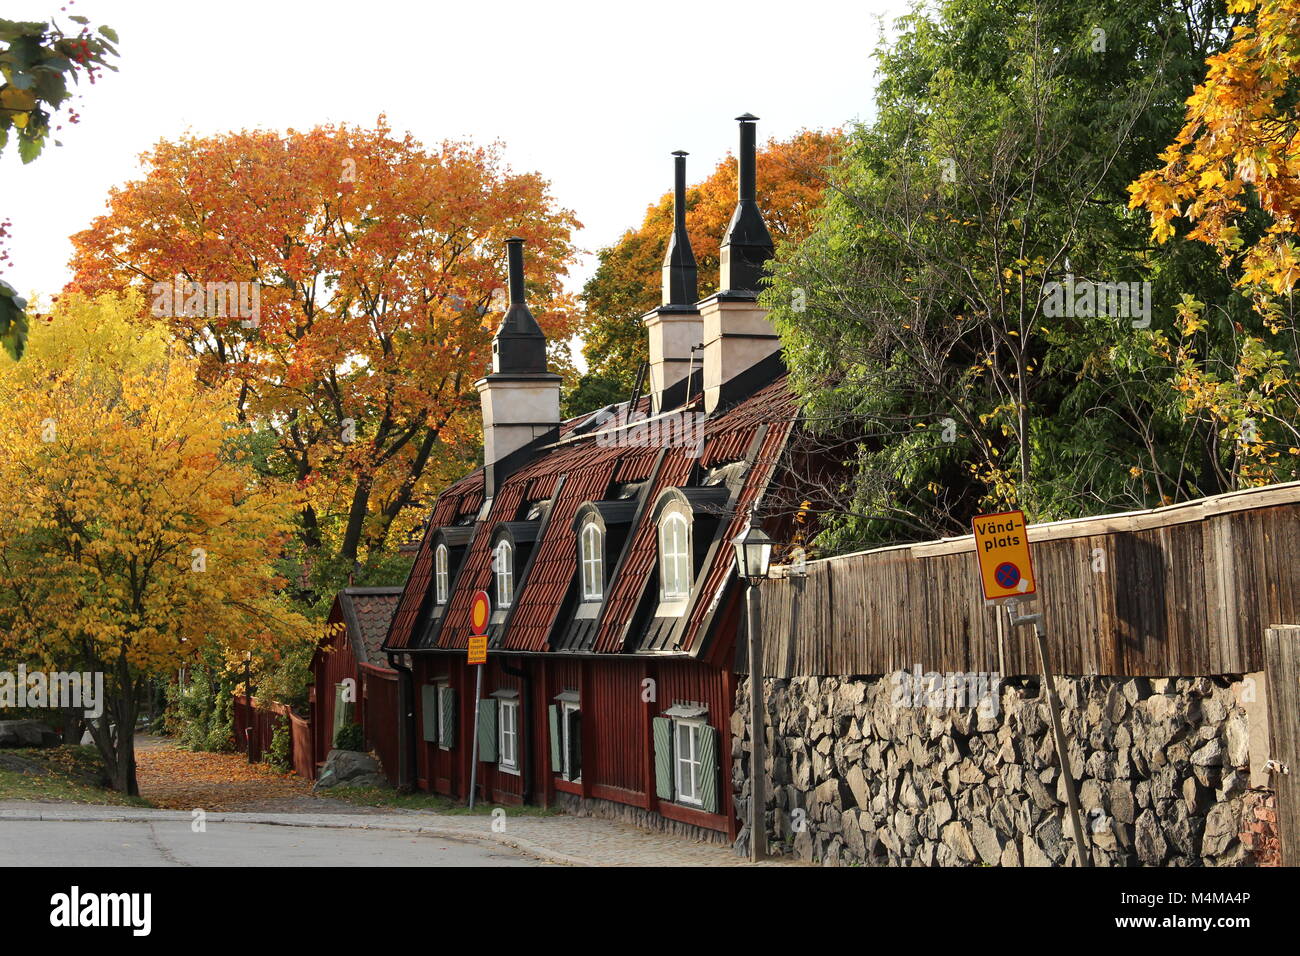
432 802
64 774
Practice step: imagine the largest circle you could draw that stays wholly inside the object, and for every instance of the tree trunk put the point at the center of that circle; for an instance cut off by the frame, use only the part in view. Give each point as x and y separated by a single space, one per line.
114 734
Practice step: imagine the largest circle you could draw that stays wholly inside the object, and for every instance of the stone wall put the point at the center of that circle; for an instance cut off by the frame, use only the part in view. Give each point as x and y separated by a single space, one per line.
854 777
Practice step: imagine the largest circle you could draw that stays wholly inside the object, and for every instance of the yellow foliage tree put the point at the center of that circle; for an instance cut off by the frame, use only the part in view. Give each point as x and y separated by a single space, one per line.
1237 155
134 532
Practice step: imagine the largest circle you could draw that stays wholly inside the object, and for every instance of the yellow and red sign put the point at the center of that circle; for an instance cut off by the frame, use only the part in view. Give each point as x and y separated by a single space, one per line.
1002 546
478 649
480 610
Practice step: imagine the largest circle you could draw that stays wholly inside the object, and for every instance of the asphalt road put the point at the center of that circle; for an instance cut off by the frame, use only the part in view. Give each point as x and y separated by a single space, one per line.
173 843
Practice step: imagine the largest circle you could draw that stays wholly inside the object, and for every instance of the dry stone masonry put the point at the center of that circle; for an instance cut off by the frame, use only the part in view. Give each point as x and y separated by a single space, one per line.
854 778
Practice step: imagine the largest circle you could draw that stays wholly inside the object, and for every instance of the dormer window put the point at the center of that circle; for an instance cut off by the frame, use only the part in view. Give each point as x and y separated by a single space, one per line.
440 578
503 564
592 559
674 557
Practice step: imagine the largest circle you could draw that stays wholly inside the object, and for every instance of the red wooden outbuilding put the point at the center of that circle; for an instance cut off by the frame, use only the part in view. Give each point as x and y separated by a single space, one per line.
352 681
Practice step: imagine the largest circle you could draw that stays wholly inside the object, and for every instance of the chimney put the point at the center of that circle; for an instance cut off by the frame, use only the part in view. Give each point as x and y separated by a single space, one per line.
675 326
519 397
747 245
737 333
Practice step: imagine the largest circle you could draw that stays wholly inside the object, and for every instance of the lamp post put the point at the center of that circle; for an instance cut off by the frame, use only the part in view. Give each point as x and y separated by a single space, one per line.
753 555
248 701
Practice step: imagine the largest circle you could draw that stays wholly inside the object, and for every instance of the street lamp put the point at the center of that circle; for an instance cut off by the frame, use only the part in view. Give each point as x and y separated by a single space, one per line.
753 555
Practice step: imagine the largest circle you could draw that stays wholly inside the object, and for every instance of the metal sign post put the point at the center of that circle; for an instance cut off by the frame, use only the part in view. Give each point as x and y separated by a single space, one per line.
473 752
1054 709
480 610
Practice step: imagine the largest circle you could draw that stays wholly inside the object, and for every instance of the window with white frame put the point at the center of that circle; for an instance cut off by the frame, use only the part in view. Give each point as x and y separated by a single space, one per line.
674 557
592 559
446 700
572 754
508 736
688 765
504 567
440 582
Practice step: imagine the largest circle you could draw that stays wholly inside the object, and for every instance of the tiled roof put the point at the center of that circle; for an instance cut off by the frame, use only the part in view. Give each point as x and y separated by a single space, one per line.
582 469
367 612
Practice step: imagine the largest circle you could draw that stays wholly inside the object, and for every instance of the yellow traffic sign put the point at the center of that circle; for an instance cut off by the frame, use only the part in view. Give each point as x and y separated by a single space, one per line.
478 650
1002 546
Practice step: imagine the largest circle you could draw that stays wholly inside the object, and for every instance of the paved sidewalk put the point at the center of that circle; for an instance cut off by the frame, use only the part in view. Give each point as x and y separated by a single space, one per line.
577 841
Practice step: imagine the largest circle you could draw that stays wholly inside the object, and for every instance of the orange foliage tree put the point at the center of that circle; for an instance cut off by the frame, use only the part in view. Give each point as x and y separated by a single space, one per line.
791 177
1232 176
348 280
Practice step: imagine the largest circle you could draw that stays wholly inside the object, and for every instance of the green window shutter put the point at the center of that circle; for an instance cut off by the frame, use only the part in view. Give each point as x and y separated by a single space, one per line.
709 768
447 721
575 744
663 734
487 730
557 758
429 712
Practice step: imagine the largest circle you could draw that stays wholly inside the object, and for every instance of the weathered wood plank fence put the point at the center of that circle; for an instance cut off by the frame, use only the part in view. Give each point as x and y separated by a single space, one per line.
1183 590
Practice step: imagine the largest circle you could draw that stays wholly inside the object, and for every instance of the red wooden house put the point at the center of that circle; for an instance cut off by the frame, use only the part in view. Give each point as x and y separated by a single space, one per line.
604 543
352 681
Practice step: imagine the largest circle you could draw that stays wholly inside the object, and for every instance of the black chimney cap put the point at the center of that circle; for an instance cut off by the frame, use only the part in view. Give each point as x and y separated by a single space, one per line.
519 345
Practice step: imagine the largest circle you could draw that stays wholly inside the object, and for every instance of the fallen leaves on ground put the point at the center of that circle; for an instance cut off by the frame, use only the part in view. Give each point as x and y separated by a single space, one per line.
179 779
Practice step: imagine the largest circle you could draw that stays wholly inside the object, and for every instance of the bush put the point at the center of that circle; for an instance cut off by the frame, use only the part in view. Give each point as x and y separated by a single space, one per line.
350 737
201 714
280 755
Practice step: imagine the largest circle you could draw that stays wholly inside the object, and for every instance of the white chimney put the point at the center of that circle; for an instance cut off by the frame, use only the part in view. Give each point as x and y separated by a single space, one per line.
520 398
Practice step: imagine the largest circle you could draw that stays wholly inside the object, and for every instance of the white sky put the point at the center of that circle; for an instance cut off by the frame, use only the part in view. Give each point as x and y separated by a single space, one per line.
593 95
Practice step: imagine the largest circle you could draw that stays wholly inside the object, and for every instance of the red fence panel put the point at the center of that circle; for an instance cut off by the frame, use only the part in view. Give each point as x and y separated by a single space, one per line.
379 716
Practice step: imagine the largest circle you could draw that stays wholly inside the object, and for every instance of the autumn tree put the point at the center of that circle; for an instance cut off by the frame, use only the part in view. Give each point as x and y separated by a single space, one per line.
378 269
135 535
1231 180
37 59
626 284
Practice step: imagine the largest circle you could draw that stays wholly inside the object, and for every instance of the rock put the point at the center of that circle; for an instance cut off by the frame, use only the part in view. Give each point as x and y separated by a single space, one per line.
857 782
1237 734
1033 855
1221 830
1211 755
956 839
986 841
28 733
1122 805
350 768
1150 842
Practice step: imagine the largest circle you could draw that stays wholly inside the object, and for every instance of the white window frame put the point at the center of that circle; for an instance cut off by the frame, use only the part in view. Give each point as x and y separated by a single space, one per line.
505 573
687 758
442 688
508 735
566 751
674 562
441 583
591 559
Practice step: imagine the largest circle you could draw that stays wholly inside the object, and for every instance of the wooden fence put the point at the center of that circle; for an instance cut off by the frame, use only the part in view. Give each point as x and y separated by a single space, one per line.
255 721
1184 590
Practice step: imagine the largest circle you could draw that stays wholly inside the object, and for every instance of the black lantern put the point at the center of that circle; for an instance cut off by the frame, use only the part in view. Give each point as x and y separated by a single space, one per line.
753 553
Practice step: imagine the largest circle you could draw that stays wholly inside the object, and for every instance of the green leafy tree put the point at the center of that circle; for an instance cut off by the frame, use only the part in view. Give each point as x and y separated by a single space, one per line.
993 178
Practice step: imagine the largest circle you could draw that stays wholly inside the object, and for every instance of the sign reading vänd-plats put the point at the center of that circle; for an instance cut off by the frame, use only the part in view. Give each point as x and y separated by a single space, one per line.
1002 546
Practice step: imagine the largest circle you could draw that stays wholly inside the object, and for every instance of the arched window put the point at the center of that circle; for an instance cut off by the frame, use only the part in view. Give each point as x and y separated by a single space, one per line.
592 559
440 582
674 557
504 566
